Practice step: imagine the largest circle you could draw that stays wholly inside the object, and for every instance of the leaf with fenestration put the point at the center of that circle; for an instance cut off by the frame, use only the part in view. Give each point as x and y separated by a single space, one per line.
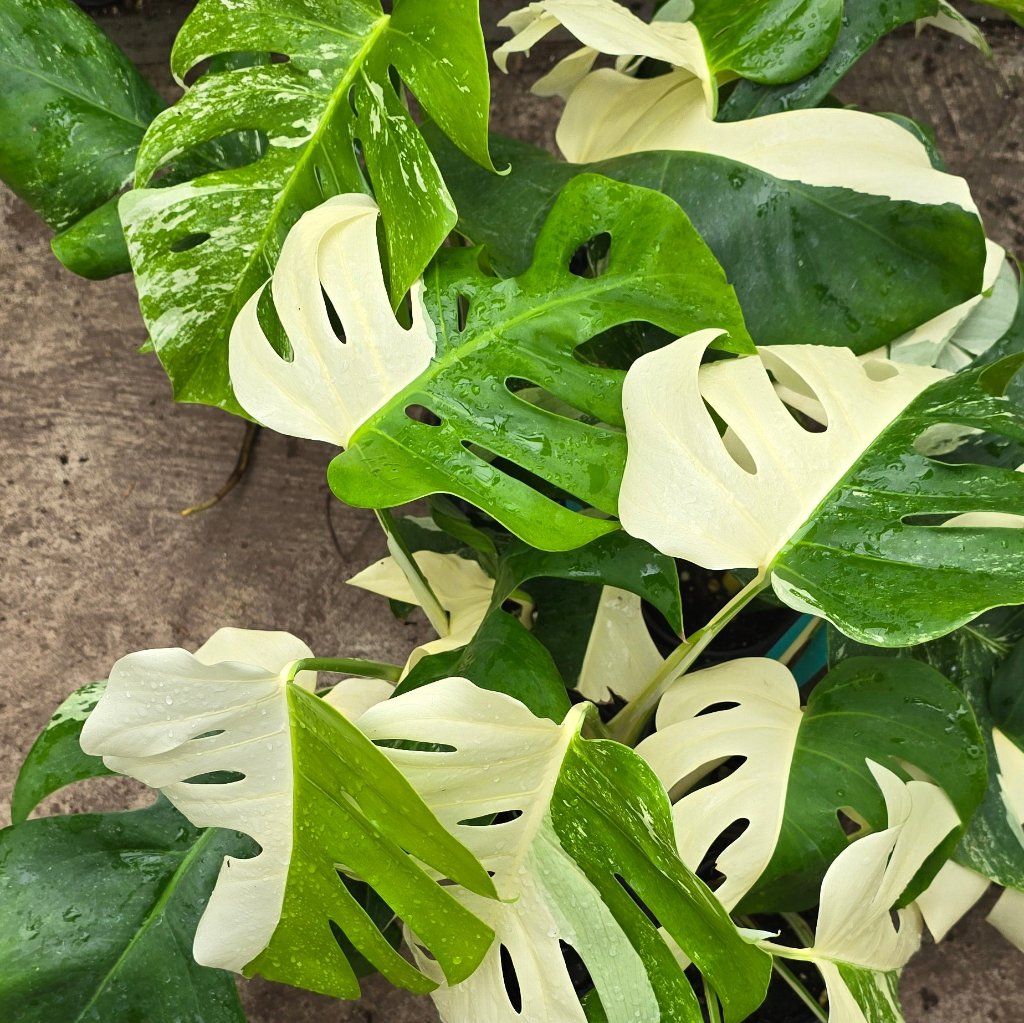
97 913
579 838
841 519
202 248
802 766
316 795
444 425
811 264
858 945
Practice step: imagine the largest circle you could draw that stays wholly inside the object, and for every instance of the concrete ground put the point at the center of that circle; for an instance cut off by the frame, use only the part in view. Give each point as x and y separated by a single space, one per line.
97 463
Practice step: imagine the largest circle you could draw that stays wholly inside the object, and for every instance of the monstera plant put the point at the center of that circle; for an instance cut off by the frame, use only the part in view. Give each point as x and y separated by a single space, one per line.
736 337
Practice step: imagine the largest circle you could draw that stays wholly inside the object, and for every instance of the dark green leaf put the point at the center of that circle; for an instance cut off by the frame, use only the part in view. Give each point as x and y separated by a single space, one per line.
505 658
97 915
94 247
333 122
56 758
73 110
658 270
872 558
864 23
773 41
888 710
810 264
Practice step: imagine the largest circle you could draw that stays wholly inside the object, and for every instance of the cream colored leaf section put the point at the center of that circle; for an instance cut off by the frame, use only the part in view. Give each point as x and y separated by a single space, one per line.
604 26
327 389
857 944
613 114
950 897
462 587
735 502
949 19
167 716
762 727
621 656
505 760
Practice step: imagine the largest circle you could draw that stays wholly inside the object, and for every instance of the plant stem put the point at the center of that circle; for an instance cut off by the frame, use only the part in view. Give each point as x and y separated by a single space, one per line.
399 550
241 467
346 666
802 993
627 725
711 1001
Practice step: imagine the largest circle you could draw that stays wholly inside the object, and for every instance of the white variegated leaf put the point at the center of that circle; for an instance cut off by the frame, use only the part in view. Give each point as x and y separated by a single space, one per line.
692 494
858 946
327 388
949 19
314 794
462 587
497 758
621 656
604 26
763 728
612 114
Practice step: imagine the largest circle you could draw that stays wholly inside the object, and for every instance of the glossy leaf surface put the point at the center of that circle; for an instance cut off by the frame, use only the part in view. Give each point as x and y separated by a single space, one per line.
56 758
314 794
529 328
200 249
73 110
802 767
864 22
810 265
97 914
769 42
582 825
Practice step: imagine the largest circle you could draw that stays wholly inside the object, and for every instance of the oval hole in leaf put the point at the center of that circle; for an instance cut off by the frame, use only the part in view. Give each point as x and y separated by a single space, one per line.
707 870
207 735
189 241
511 980
421 414
418 747
576 968
590 260
332 314
215 778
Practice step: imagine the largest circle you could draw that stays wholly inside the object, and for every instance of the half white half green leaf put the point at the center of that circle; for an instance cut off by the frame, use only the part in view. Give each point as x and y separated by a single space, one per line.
316 795
579 839
801 767
858 946
333 118
844 517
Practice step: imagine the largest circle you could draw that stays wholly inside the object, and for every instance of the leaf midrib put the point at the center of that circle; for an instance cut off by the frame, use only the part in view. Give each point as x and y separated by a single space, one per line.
338 94
152 917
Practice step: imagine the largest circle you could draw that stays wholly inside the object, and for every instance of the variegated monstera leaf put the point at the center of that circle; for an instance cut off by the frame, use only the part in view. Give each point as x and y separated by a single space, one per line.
817 482
578 838
320 799
439 406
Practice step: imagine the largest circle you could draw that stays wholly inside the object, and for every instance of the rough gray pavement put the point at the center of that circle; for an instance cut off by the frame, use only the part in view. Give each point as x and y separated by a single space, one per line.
97 463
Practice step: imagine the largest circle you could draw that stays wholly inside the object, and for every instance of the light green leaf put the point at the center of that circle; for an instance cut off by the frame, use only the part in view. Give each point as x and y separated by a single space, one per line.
840 520
314 793
803 766
201 249
810 264
73 110
56 758
530 328
583 825
97 913
858 946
